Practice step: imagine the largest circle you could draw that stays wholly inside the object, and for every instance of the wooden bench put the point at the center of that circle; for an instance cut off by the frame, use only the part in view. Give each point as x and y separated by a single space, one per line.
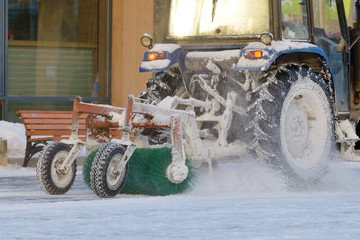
44 126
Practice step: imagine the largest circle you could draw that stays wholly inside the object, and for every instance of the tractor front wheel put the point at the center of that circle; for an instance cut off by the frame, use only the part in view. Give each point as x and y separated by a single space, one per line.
163 84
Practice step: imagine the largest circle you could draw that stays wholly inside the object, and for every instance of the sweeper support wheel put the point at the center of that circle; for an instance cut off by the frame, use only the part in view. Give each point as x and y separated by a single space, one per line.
52 179
108 170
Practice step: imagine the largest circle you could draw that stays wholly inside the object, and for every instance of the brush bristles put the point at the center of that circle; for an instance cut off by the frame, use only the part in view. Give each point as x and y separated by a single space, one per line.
147 173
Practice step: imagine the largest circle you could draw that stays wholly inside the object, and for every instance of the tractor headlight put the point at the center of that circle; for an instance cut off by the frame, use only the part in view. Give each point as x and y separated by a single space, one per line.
266 38
147 41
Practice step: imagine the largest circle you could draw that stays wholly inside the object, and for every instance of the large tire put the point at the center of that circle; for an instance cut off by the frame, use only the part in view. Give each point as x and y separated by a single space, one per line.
163 84
51 180
292 122
104 181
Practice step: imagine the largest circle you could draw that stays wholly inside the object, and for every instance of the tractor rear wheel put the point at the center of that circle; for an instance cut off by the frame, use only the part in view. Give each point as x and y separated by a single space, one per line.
162 85
51 178
108 170
292 122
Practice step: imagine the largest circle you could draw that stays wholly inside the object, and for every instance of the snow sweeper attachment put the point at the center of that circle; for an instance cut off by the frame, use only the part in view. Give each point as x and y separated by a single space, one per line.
143 148
116 164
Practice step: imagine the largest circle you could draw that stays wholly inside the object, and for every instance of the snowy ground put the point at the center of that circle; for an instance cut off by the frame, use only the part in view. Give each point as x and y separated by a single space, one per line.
239 201
243 200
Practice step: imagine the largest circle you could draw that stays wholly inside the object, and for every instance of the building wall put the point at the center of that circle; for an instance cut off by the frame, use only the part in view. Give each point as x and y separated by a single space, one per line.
130 20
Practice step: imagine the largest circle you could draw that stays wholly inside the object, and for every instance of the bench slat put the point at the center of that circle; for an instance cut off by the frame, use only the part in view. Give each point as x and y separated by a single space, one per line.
52 133
40 139
40 111
46 121
47 112
57 139
48 116
50 126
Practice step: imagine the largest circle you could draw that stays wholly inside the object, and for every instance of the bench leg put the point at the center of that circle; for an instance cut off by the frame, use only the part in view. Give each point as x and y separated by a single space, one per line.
31 149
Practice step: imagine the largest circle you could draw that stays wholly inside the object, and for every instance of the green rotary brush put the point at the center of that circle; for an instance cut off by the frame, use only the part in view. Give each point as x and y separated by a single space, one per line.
147 173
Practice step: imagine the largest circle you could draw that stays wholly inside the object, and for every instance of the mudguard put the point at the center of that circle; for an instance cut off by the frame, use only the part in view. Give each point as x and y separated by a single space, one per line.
272 52
173 54
278 48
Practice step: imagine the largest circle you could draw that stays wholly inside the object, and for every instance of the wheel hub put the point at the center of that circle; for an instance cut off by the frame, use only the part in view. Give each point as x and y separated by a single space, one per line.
115 172
305 126
297 129
61 177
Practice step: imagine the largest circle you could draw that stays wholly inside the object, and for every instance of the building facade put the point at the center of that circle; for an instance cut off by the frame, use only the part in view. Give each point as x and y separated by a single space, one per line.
54 50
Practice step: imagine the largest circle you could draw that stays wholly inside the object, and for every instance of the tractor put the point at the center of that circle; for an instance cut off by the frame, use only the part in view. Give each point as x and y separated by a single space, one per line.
277 79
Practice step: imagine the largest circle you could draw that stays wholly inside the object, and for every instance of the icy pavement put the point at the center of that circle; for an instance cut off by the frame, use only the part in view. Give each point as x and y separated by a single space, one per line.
239 201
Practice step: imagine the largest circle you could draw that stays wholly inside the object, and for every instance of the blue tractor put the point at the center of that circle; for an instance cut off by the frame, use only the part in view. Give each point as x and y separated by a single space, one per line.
293 65
276 80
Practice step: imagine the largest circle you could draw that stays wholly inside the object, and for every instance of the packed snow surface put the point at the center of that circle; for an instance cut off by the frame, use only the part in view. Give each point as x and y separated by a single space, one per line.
238 201
241 199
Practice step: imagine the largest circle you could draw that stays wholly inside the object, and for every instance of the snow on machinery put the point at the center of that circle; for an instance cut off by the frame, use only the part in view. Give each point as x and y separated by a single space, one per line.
277 78
56 166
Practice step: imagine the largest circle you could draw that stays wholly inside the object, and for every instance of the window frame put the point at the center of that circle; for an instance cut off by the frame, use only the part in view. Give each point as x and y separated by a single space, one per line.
3 46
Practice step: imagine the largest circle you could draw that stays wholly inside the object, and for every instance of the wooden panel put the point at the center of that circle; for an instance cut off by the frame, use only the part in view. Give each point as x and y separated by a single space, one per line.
127 52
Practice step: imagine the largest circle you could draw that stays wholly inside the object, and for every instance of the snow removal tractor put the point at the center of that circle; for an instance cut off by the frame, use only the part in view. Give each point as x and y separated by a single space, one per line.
278 80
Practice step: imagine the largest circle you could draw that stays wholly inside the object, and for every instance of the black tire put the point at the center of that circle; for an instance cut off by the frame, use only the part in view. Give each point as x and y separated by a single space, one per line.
50 179
103 181
163 84
292 122
87 167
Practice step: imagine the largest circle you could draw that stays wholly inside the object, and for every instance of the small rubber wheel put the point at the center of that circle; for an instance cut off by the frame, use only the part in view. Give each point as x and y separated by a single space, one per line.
51 179
108 171
87 167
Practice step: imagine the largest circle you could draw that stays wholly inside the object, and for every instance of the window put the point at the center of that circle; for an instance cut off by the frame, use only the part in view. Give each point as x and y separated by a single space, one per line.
326 19
189 18
295 23
57 49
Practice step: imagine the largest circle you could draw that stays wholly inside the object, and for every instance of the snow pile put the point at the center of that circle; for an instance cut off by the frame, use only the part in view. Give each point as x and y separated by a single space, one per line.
16 140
